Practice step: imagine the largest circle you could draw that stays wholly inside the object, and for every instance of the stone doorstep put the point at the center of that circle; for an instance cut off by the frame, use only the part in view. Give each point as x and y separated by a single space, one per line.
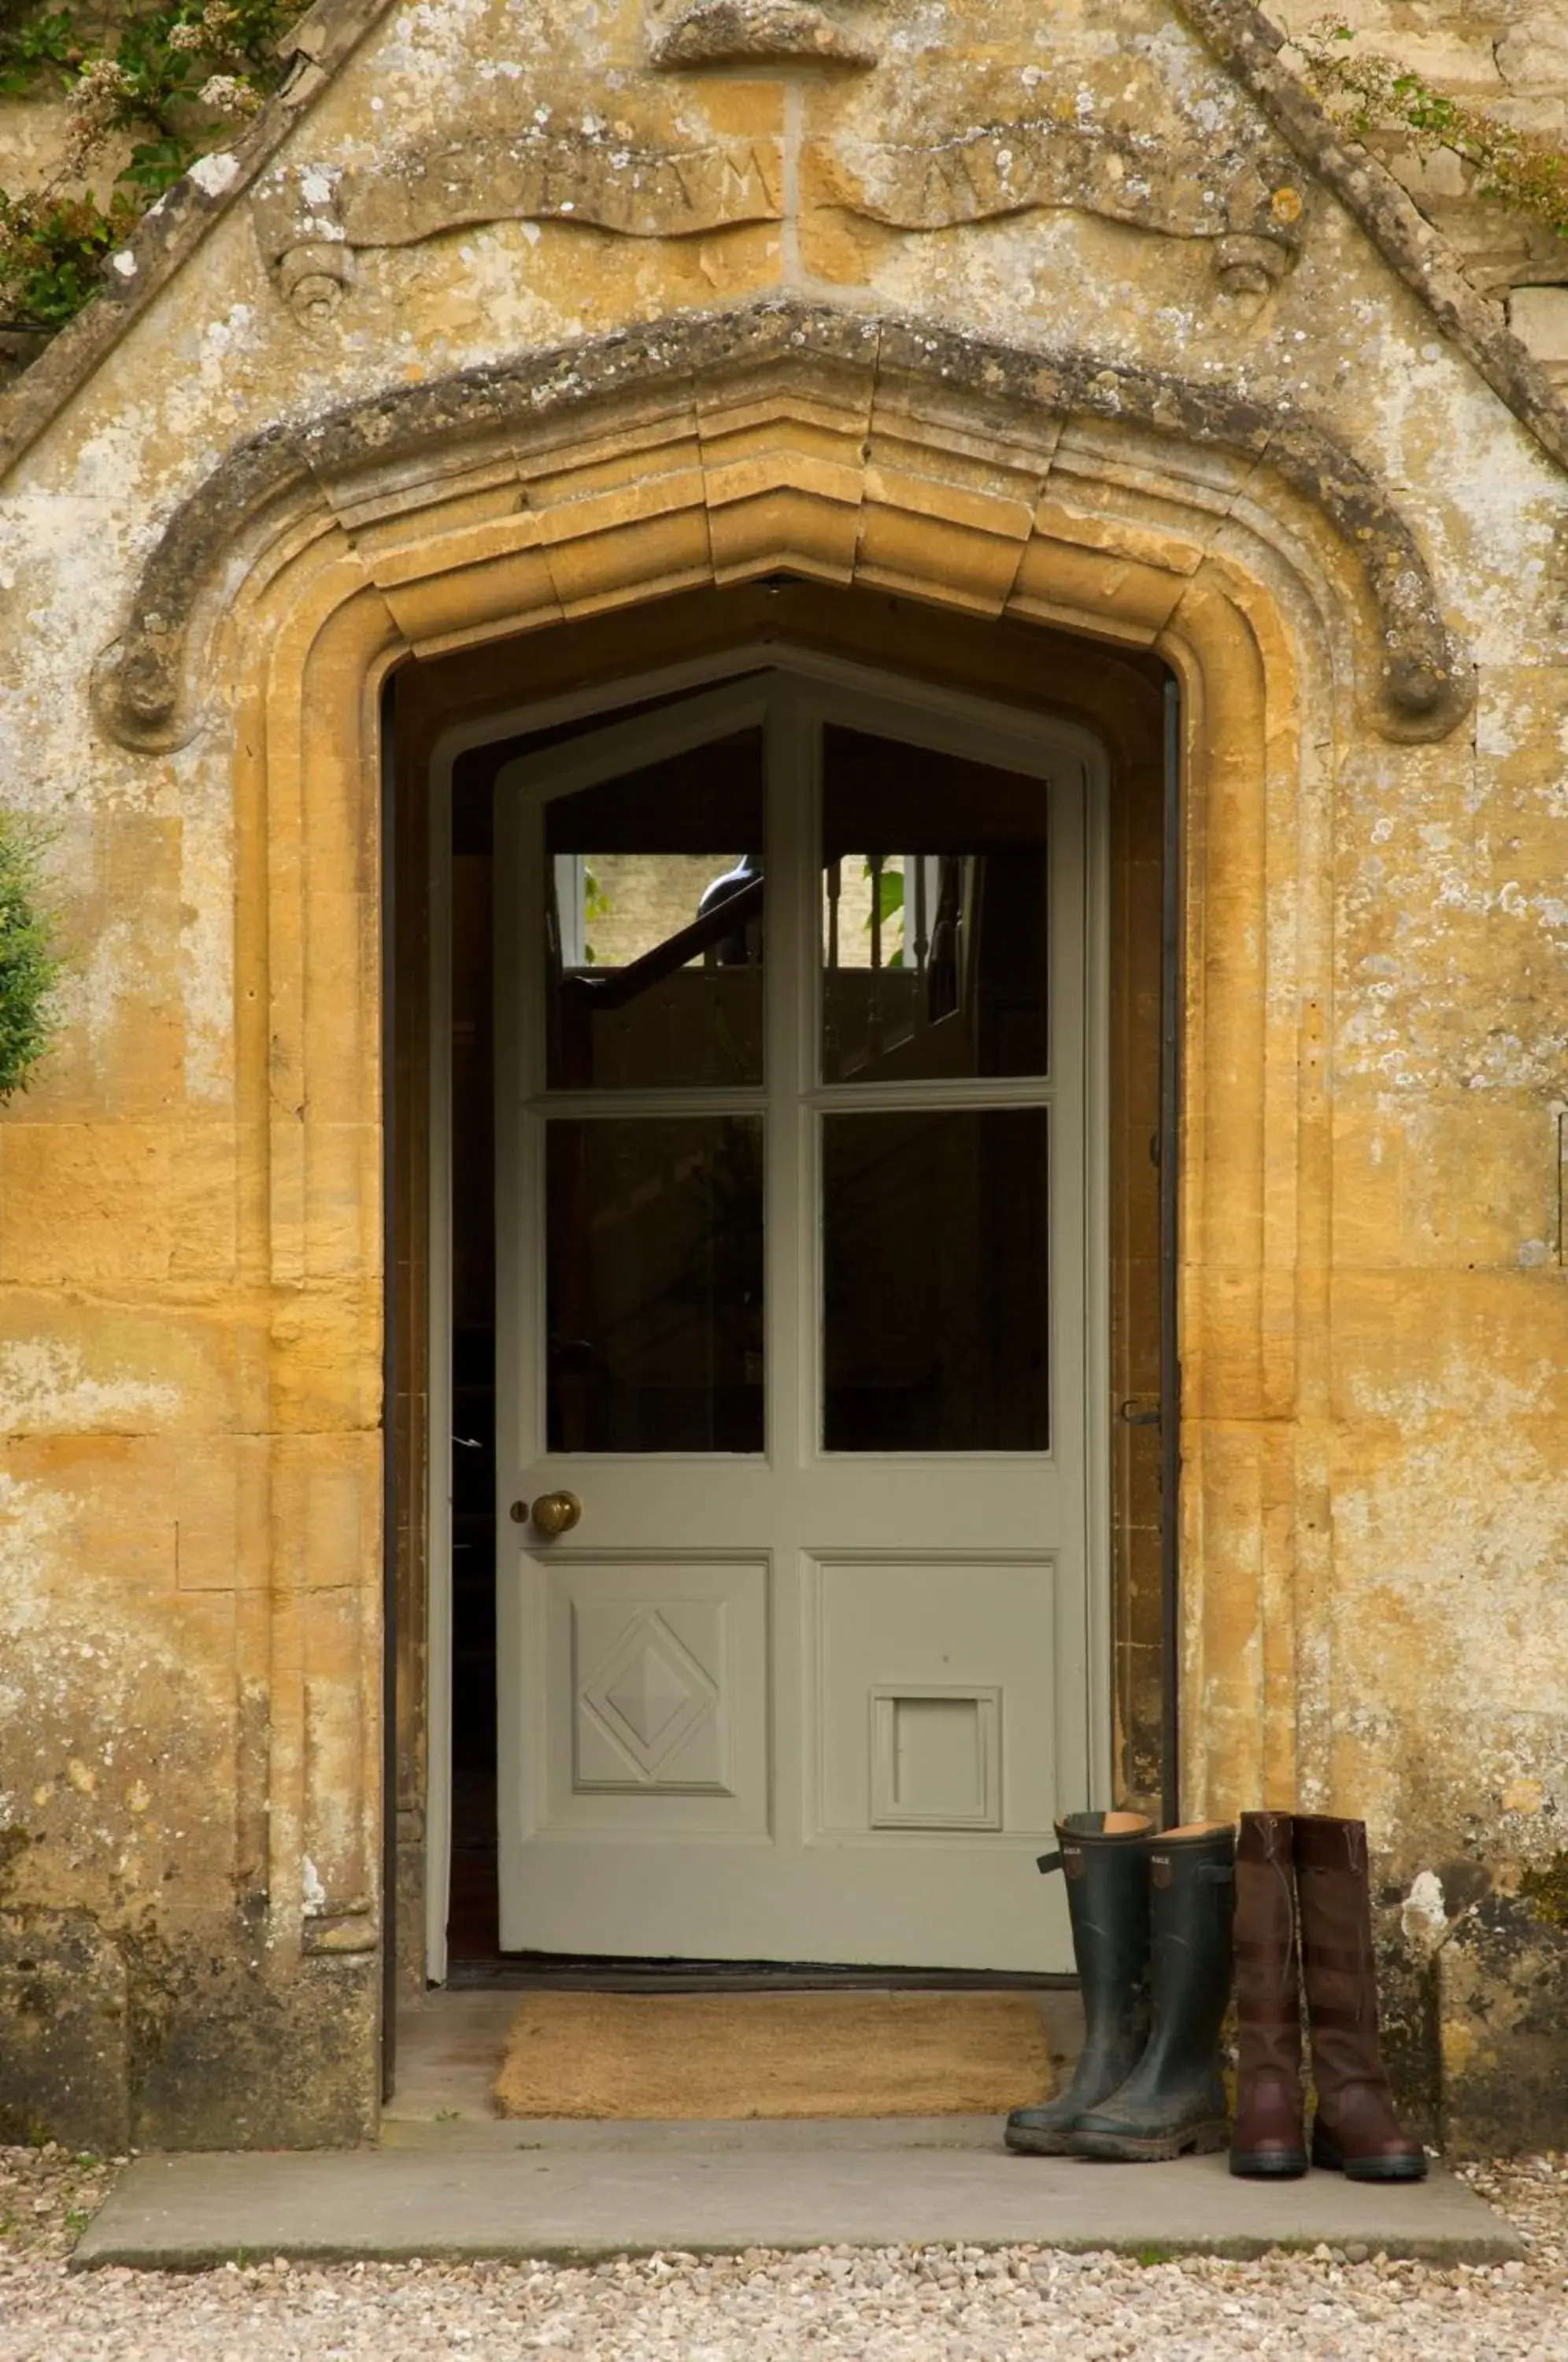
576 2193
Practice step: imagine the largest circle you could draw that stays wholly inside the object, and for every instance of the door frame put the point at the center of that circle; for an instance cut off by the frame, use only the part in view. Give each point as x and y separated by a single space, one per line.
1009 734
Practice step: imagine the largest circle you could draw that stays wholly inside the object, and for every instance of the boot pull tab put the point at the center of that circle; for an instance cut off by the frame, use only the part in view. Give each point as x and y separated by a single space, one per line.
1046 1862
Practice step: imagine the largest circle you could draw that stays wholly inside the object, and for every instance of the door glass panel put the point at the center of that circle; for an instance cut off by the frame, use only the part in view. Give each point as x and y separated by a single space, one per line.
654 1283
653 924
933 909
934 1263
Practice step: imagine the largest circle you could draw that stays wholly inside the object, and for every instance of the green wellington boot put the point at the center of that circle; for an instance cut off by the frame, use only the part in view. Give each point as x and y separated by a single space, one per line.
1105 1857
1174 2100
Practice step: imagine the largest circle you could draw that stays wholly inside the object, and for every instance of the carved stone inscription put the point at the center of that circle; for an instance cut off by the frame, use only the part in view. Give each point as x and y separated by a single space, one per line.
1252 205
310 220
564 176
1246 199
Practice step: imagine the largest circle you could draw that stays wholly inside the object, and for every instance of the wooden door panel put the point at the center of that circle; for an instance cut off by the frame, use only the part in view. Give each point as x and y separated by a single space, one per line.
807 1338
934 1700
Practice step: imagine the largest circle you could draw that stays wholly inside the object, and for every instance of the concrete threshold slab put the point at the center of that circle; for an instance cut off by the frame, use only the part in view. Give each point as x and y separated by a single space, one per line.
579 2192
770 2135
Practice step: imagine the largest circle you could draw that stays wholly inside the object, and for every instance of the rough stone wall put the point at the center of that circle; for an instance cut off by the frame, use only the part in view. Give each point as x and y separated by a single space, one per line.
1513 62
1510 59
1378 1519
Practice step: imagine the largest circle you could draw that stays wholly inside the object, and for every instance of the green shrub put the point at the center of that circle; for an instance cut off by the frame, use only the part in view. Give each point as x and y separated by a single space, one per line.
52 250
29 967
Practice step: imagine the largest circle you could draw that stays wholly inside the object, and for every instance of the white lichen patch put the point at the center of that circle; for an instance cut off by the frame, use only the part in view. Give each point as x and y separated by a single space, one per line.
46 1388
214 174
1423 1915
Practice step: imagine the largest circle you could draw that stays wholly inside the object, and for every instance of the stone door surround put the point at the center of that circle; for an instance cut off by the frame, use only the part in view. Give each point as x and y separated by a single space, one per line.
1262 563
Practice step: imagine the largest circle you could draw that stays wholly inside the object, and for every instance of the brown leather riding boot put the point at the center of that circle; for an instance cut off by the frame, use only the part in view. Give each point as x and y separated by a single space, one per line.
1267 2139
1355 2128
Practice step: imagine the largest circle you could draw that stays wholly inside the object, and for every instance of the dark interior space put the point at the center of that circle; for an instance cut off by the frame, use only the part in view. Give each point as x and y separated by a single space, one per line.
473 1925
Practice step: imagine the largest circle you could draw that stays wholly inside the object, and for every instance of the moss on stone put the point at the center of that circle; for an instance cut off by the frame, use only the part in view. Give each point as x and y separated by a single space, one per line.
1545 1888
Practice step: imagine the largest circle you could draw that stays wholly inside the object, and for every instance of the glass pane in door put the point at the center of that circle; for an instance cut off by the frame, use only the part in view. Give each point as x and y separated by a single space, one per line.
654 924
654 1283
935 1317
933 940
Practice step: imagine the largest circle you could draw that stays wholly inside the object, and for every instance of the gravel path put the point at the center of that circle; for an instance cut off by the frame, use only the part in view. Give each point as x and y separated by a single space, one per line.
958 2304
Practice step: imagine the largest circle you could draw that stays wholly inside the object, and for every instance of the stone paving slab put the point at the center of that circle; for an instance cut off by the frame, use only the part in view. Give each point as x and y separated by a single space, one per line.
579 2192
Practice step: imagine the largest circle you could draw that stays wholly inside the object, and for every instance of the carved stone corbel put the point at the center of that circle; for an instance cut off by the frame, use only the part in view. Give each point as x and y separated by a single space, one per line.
311 279
687 33
299 227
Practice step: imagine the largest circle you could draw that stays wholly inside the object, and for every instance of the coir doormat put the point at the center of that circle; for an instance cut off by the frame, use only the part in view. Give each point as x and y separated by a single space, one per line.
696 2055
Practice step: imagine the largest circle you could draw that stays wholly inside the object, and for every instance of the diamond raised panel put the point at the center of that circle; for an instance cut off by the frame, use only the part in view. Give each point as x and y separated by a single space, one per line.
650 1718
649 1697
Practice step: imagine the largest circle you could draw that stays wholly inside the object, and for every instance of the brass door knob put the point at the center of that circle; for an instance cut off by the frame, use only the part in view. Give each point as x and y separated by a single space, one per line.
557 1513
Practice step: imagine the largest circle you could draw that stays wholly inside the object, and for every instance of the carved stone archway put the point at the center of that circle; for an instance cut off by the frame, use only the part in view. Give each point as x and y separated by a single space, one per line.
1257 559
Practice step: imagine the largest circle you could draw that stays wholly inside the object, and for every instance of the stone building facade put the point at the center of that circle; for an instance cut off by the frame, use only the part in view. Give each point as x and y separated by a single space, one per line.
1070 360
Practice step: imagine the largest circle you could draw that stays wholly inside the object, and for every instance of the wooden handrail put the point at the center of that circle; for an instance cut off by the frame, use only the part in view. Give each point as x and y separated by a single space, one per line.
617 986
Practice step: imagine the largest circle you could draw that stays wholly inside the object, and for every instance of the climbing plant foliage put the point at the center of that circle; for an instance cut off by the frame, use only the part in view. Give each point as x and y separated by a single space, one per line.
28 968
174 78
1368 91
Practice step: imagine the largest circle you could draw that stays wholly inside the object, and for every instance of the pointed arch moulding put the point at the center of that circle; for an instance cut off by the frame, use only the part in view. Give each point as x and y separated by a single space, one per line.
781 431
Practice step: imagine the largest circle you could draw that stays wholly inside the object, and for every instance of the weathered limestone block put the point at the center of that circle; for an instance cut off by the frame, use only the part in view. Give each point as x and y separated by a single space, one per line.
1502 2000
910 157
1408 2004
1532 56
65 2026
232 2054
1539 317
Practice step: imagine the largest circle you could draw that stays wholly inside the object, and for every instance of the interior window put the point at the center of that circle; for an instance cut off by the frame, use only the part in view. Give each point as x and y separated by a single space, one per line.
654 924
934 949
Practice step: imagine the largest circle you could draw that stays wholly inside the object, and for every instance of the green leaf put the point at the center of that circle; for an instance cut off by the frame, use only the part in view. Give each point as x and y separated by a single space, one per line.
156 164
889 891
